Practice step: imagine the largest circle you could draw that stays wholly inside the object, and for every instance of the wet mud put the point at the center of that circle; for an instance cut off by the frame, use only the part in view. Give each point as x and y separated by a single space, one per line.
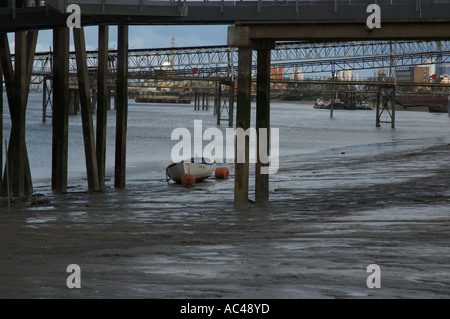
330 217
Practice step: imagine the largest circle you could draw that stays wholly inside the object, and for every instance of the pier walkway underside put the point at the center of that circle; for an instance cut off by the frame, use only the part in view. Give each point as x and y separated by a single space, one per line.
254 25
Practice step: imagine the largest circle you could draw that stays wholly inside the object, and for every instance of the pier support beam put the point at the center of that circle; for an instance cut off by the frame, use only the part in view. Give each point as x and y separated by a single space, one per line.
384 101
86 110
46 97
231 105
122 106
102 101
243 122
262 122
218 102
17 85
1 124
60 109
377 120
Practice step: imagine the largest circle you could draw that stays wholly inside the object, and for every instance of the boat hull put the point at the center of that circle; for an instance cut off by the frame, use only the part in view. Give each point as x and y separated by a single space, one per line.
163 99
201 170
434 103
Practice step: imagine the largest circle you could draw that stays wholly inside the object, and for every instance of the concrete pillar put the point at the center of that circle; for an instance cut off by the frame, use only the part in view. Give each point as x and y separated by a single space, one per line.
60 109
262 122
86 110
243 122
122 106
102 101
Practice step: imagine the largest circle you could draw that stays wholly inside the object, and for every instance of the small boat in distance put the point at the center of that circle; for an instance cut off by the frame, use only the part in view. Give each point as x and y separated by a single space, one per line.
163 99
200 168
337 105
319 104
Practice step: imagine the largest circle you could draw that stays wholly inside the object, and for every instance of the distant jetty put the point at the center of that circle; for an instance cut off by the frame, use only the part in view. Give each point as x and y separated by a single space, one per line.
163 99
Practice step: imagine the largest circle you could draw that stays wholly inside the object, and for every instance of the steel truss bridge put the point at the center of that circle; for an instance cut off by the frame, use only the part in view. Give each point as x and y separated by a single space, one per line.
219 63
52 13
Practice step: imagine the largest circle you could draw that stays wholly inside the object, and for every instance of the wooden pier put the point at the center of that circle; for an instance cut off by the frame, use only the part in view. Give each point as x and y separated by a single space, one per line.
269 21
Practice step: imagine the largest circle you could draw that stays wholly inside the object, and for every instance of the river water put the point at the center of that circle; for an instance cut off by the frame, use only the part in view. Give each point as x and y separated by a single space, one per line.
346 195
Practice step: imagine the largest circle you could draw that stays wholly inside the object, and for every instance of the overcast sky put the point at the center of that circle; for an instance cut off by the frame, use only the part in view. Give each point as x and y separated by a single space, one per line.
143 37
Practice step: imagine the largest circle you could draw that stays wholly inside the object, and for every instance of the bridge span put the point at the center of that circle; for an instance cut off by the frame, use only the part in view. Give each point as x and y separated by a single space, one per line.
254 26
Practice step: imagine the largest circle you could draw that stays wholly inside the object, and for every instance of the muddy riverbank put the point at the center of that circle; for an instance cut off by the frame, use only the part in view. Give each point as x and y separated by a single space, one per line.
331 215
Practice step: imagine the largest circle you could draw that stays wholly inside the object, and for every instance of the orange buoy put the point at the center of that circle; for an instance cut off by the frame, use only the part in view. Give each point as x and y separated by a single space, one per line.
222 172
188 180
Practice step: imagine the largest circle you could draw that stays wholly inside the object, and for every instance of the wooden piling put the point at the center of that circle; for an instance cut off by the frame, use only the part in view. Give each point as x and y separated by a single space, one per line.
60 109
122 106
219 103
393 107
31 41
102 101
231 106
262 122
1 126
216 92
86 110
44 100
377 122
204 102
243 121
17 84
5 57
17 139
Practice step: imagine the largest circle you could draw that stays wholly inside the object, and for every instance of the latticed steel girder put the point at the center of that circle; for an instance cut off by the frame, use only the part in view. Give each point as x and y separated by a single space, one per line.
305 57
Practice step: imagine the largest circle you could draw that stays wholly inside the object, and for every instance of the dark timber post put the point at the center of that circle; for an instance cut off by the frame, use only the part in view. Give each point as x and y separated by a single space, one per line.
122 106
393 106
378 108
86 110
262 122
102 101
8 72
219 103
17 85
243 122
60 109
32 37
1 125
44 100
231 104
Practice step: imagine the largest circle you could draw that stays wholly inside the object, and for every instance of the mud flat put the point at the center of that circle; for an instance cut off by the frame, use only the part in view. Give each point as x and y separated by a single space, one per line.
330 217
